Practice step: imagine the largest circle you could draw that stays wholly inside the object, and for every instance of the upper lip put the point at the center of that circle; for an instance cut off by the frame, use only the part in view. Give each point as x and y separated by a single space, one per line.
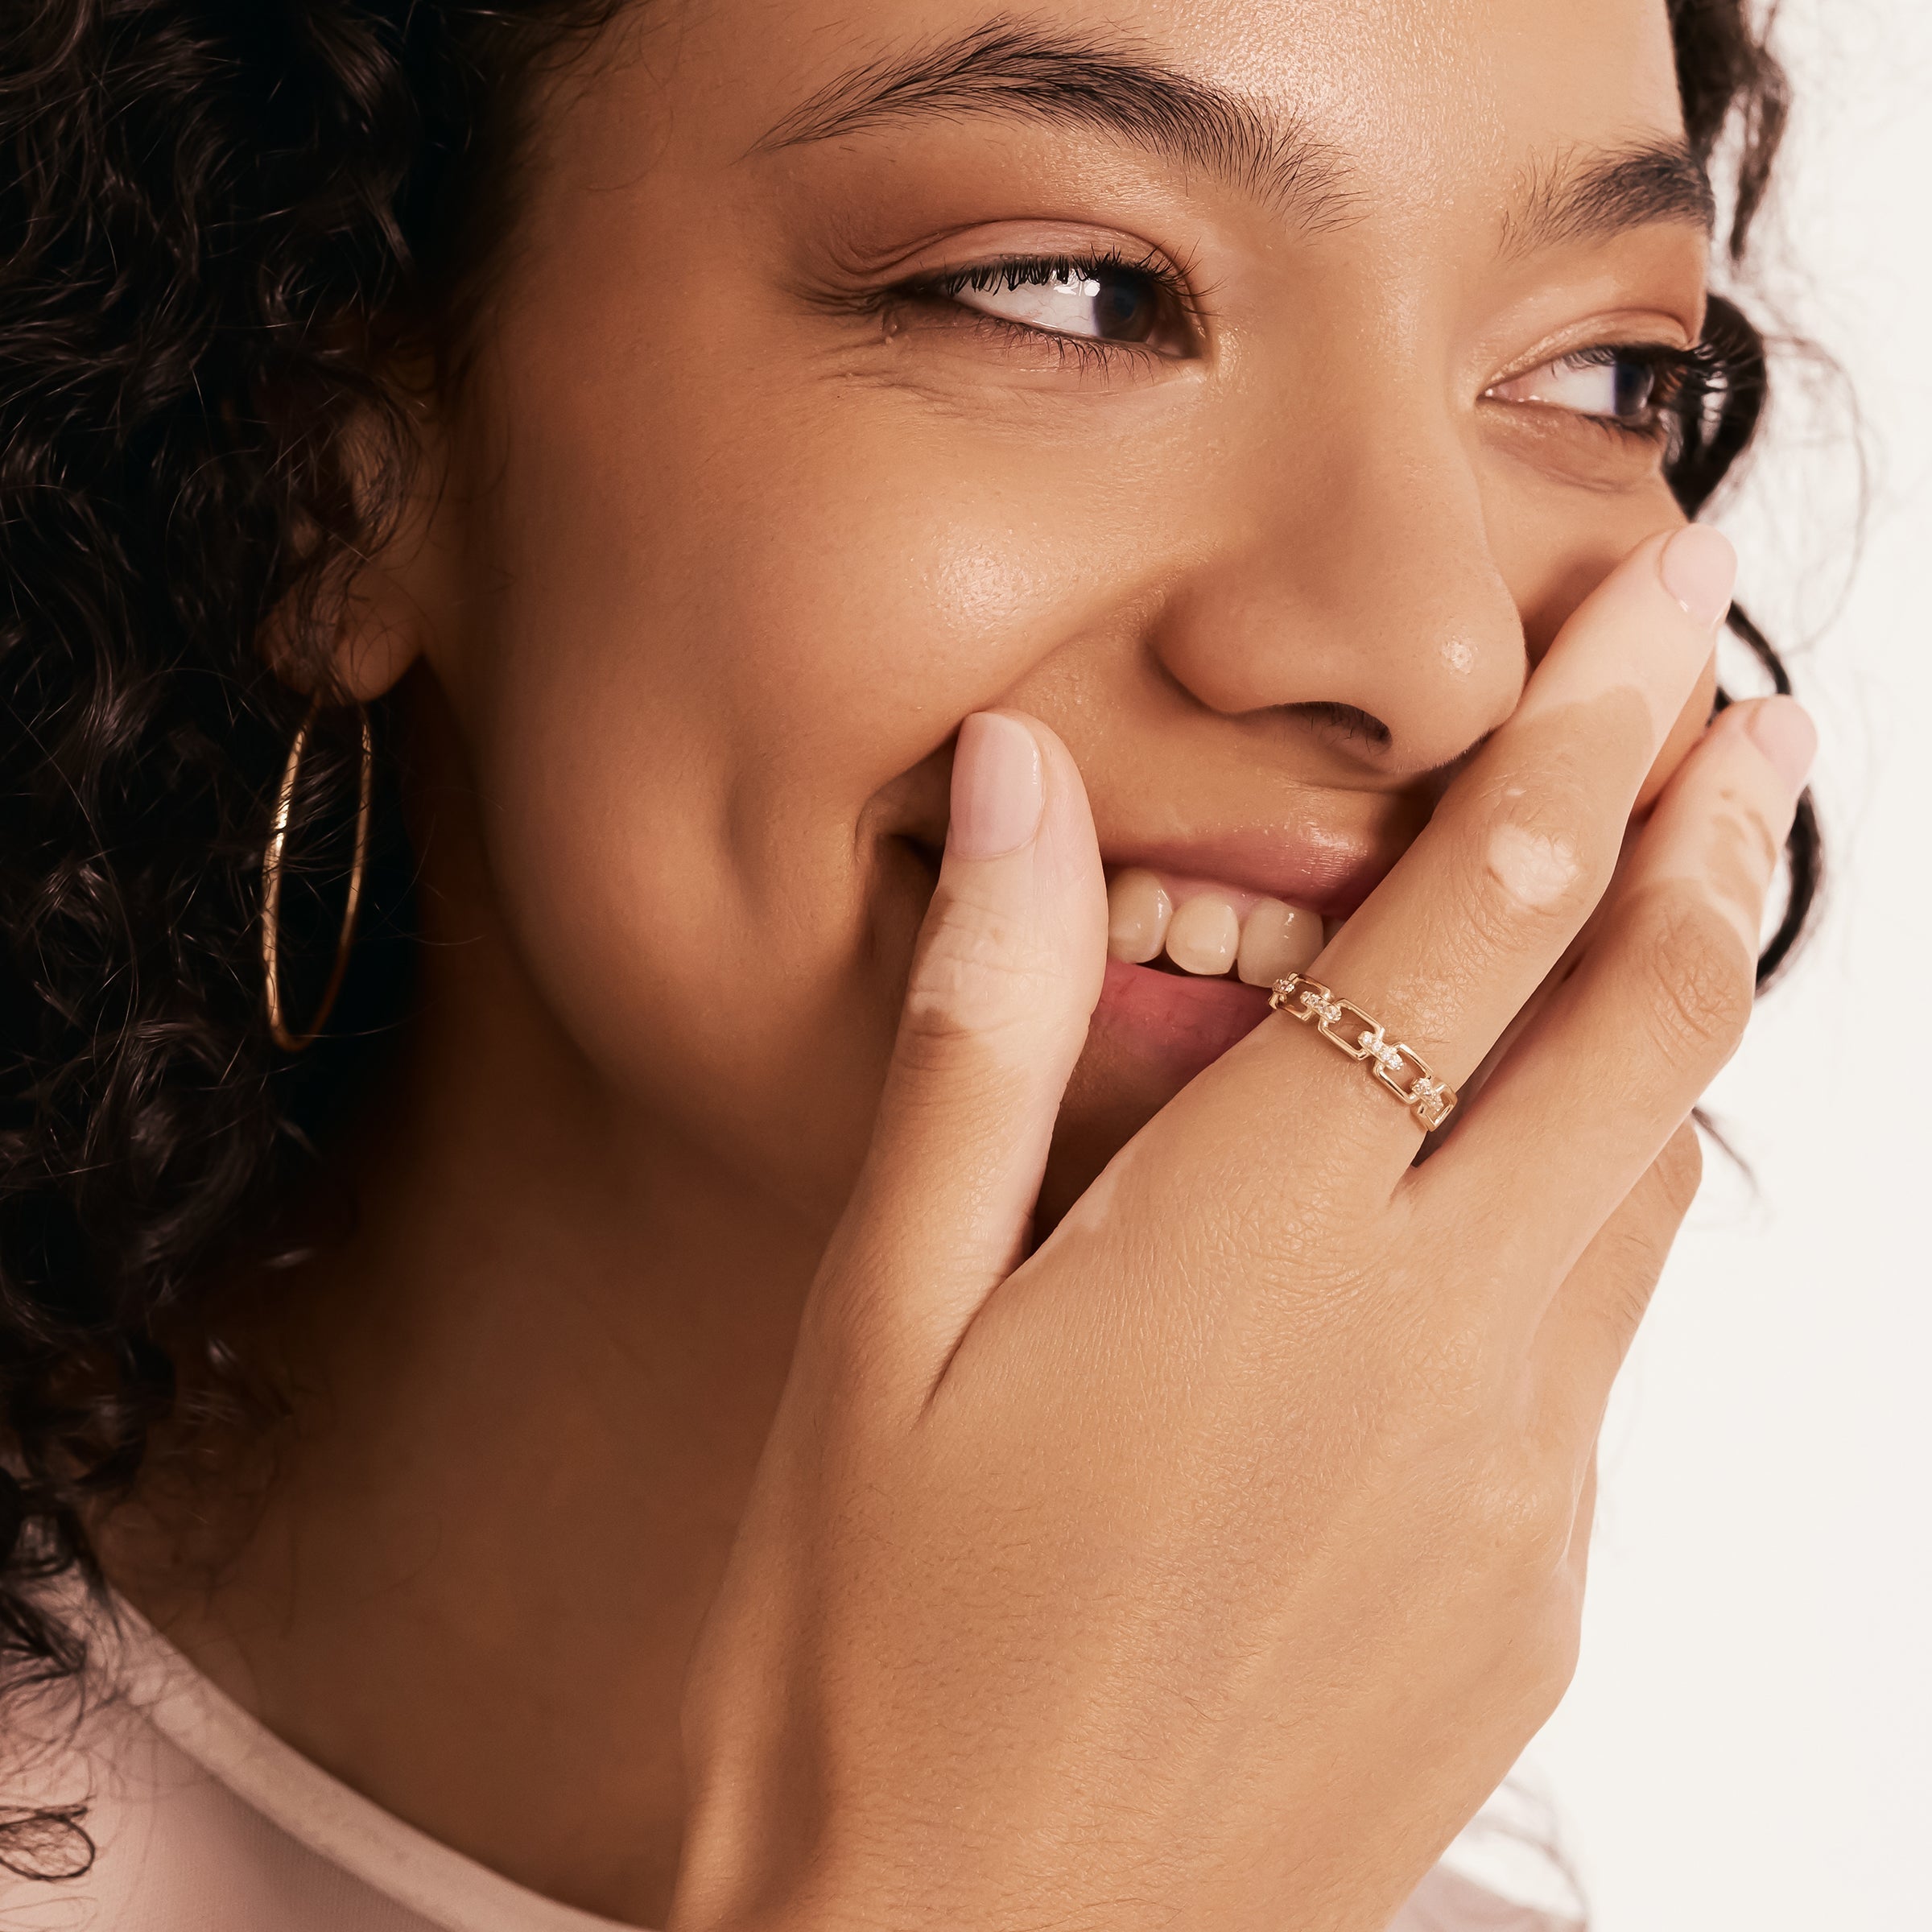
1328 872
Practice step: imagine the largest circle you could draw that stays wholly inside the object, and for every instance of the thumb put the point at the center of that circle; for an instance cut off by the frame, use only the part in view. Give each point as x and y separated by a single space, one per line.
1008 968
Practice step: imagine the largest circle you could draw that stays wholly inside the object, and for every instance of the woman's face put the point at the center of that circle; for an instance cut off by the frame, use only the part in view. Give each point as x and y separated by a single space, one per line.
1248 390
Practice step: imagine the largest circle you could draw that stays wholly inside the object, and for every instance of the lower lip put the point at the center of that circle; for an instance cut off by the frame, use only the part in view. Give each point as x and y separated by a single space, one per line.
1179 1024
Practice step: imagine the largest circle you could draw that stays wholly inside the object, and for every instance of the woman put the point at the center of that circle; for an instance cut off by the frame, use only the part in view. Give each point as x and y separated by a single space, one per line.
804 1351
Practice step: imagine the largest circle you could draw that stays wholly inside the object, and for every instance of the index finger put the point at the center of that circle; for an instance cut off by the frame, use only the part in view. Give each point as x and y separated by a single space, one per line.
1447 949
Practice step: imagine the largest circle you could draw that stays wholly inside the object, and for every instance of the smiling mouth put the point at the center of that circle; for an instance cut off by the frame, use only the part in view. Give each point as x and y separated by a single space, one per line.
1204 930
1192 956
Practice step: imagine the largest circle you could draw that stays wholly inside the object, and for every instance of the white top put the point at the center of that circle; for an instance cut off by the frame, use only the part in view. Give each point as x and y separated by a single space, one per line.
204 1821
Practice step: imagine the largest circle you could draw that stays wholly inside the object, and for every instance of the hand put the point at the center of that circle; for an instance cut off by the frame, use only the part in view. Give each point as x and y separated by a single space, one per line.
1210 1565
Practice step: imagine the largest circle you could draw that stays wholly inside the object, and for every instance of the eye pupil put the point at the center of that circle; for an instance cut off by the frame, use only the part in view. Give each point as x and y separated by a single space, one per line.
1636 386
1122 310
1099 301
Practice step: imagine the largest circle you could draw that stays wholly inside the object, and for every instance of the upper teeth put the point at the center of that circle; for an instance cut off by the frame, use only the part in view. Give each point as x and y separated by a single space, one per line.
1205 934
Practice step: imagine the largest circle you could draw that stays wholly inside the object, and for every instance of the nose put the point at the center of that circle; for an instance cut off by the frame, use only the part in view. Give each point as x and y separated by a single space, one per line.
1355 588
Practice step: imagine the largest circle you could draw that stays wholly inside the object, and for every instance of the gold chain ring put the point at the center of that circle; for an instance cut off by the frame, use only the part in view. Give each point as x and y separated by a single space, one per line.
1342 1023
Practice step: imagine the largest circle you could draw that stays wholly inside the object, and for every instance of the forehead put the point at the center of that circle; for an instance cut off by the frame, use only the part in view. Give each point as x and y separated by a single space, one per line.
1438 80
1437 95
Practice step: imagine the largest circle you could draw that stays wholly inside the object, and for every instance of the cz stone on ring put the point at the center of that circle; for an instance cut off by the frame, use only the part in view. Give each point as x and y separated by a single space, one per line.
1400 1069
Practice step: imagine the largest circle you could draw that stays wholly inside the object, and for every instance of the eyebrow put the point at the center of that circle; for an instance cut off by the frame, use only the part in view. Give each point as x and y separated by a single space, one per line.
1587 194
1115 86
1118 87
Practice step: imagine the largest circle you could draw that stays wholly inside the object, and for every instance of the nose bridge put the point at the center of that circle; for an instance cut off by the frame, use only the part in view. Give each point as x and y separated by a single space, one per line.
1362 576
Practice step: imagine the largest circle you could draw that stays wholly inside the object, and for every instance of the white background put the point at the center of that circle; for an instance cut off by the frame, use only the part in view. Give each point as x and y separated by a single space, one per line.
1748 1747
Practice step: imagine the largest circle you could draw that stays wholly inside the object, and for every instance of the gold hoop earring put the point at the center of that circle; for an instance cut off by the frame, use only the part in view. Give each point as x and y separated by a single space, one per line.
271 888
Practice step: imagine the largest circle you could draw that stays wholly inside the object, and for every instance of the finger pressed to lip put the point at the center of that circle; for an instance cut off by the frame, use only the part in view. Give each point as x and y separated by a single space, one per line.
1007 973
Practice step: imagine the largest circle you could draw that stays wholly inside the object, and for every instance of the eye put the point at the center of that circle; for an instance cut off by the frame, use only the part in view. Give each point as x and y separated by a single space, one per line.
1631 386
1104 301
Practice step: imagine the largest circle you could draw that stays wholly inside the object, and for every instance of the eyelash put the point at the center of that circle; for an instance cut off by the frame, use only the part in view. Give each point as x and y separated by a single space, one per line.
1027 271
1683 379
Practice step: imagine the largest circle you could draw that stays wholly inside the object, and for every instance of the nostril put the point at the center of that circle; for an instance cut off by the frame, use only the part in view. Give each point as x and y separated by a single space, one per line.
1350 721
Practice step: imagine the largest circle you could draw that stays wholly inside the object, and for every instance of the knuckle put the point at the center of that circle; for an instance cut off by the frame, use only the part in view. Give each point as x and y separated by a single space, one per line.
980 978
1541 857
1747 845
852 1348
1698 976
1520 1515
1548 1651
1504 1520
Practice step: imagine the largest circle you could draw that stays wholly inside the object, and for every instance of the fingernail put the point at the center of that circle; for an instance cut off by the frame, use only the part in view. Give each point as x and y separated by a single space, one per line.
1781 728
998 788
1699 569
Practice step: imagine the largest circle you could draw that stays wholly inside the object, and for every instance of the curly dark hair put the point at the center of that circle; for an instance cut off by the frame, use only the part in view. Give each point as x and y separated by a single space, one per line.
219 219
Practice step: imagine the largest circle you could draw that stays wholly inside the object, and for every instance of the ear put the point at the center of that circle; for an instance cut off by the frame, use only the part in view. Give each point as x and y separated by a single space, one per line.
377 613
382 626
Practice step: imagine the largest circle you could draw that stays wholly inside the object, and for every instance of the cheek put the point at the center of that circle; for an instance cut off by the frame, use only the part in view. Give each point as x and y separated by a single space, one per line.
689 702
1554 548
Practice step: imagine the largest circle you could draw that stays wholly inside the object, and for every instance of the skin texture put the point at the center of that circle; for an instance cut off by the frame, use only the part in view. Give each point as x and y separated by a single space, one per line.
714 553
